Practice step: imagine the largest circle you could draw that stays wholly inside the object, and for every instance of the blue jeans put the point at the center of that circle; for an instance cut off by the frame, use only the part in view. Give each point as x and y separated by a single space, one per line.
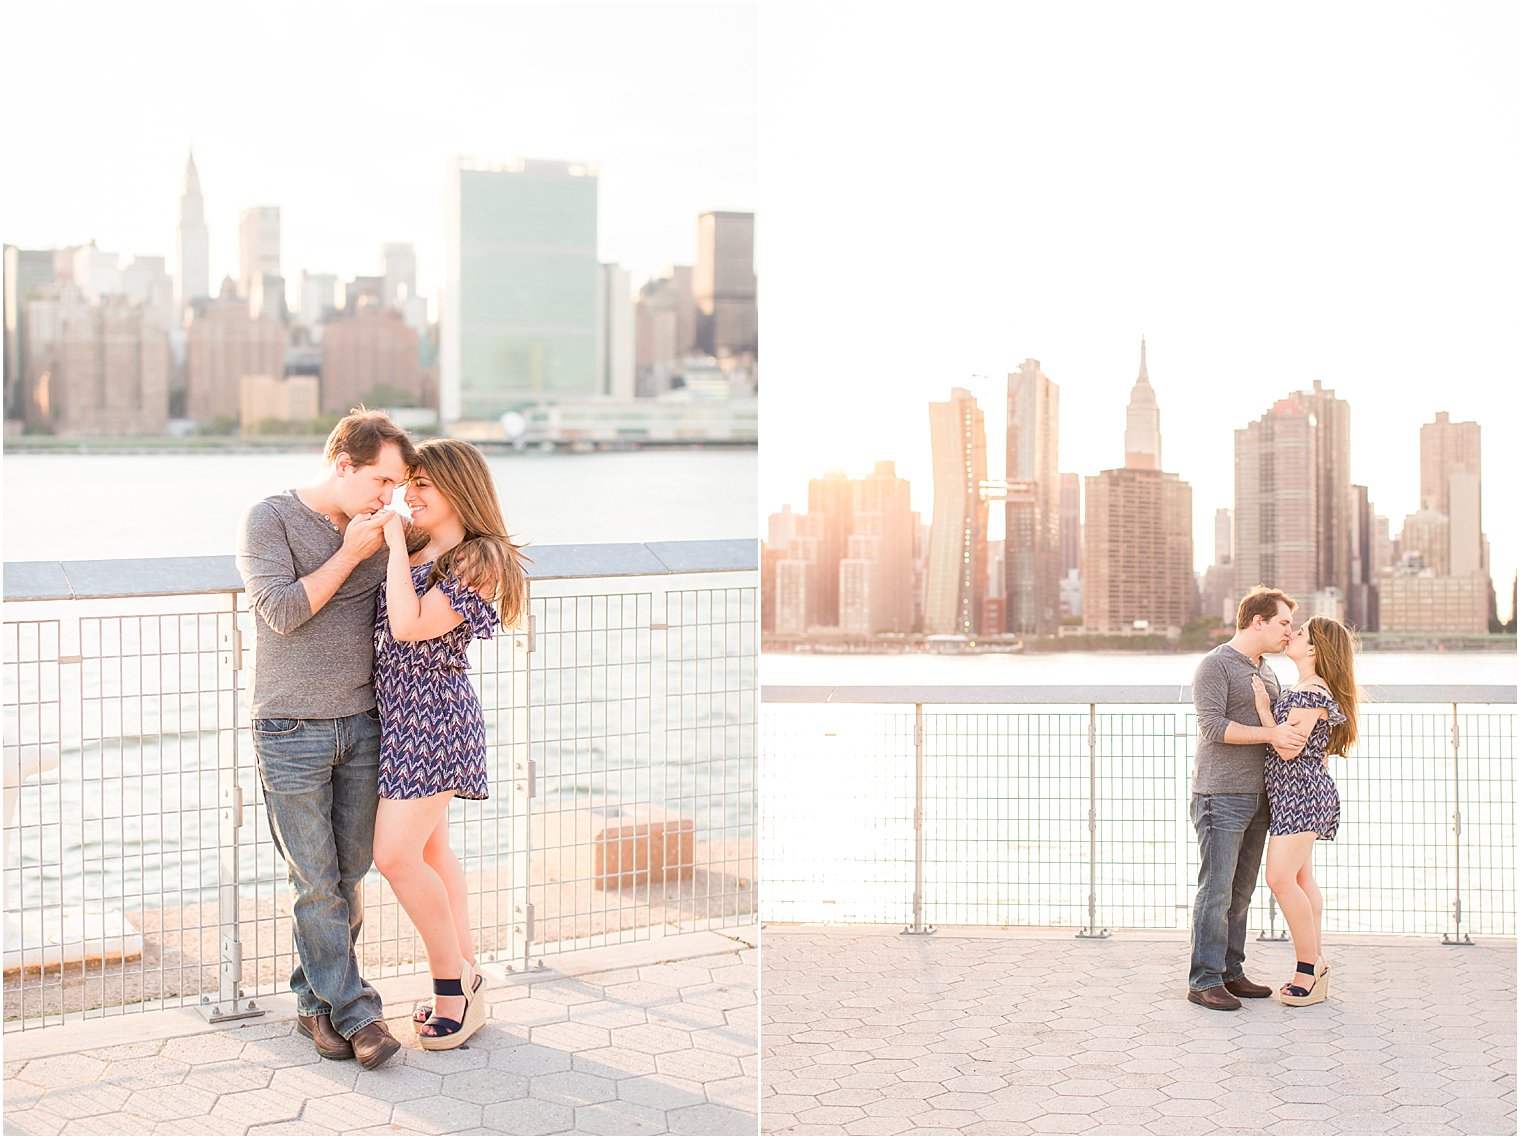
319 789
1232 831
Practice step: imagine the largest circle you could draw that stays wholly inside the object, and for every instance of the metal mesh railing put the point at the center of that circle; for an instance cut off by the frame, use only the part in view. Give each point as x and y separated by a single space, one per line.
1069 809
837 814
710 735
120 729
140 870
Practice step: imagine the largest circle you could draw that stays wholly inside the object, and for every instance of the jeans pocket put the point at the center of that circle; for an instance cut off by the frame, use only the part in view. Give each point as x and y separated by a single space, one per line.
293 756
373 714
1199 810
277 726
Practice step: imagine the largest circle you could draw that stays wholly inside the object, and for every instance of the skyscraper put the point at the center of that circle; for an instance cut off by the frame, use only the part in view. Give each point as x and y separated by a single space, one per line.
519 320
193 241
876 575
958 538
1293 500
1071 524
319 294
1333 519
223 344
1032 510
1426 540
145 281
794 537
96 369
398 260
831 501
614 332
1447 447
723 283
370 357
1362 602
1142 423
26 271
1217 593
1451 463
1138 531
1139 563
258 246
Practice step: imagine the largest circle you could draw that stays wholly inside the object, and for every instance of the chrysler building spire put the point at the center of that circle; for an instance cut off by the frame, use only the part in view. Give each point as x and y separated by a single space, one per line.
193 240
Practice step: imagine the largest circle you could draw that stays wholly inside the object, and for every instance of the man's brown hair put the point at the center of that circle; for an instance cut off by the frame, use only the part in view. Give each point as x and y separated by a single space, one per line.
362 433
1261 602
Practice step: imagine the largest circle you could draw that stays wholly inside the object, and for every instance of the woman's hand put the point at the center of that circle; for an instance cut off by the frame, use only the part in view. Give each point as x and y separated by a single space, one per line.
1263 702
395 531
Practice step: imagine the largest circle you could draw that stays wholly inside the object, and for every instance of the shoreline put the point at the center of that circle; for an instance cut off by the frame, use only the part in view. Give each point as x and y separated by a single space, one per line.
305 444
1370 643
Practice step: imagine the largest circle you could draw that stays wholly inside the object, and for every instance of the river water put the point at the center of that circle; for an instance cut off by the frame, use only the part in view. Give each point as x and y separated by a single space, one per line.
624 710
60 507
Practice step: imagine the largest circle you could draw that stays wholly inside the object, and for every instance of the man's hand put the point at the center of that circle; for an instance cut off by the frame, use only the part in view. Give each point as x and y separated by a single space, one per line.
1288 739
365 533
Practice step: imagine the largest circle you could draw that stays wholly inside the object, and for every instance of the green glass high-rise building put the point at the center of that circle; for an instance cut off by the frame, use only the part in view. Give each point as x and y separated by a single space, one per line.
519 312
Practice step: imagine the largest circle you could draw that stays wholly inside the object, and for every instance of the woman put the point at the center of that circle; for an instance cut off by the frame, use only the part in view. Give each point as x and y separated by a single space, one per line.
465 582
1301 795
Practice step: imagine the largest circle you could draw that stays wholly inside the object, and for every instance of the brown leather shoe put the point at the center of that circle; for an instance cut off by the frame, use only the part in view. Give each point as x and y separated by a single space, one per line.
320 1031
1245 987
1215 997
374 1045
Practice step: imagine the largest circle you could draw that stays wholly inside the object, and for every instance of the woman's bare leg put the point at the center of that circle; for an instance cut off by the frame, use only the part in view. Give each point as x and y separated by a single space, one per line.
1287 855
1310 887
438 854
402 827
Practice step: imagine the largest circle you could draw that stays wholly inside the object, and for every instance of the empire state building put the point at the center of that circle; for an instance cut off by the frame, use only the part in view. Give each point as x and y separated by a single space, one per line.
1142 424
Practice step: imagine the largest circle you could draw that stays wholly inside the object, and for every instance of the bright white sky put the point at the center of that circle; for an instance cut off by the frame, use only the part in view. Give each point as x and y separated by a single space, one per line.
1270 194
346 114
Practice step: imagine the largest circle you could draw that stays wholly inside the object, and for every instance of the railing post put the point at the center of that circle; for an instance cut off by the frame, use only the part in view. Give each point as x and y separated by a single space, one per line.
1092 929
524 791
1272 933
1457 937
918 926
229 1002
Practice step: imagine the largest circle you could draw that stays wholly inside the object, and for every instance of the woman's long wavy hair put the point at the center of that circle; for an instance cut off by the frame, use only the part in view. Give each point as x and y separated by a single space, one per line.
487 559
1334 651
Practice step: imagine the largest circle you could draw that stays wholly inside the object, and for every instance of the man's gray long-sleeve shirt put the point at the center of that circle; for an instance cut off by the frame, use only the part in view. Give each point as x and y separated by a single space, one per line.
1221 694
307 666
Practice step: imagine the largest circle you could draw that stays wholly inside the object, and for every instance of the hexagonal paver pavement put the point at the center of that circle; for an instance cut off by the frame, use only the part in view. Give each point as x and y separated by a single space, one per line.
636 1050
983 1032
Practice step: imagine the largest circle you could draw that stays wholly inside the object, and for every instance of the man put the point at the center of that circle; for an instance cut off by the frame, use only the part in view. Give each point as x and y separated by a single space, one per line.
311 560
1229 806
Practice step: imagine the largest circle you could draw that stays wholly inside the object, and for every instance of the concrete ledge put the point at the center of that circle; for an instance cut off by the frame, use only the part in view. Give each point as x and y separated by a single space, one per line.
164 577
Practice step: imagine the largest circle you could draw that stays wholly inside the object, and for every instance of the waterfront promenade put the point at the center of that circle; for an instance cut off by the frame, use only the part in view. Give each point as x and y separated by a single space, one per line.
654 1037
867 1031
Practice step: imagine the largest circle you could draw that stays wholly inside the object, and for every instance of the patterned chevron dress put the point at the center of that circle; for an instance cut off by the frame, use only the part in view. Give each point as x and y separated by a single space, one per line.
432 732
1300 793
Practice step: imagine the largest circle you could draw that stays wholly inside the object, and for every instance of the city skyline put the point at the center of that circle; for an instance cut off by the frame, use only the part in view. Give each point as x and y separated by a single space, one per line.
349 173
1298 522
1266 208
